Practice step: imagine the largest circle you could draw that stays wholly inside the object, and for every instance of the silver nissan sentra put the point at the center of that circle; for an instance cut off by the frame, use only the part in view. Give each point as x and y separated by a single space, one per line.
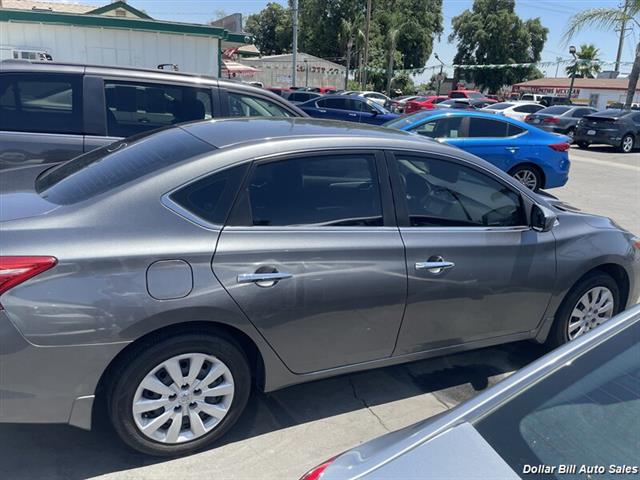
167 274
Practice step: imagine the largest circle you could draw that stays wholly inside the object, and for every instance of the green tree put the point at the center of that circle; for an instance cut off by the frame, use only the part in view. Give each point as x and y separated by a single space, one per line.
586 66
608 19
492 33
271 28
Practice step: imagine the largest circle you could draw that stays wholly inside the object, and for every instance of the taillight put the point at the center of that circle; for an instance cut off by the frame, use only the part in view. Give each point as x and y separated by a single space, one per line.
560 147
15 270
550 120
316 472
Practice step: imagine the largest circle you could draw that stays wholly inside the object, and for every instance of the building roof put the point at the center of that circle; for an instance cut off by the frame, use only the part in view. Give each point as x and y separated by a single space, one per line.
288 57
587 83
62 7
119 5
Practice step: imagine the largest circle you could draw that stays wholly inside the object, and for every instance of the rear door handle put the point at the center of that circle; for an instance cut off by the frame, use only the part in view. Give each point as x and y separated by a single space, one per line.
263 279
434 267
512 149
353 114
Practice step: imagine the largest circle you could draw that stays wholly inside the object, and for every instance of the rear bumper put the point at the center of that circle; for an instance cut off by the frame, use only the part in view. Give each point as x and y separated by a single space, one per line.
613 138
49 384
556 170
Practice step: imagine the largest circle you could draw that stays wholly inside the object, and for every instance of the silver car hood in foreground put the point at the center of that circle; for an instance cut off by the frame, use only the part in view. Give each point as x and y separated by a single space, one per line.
448 446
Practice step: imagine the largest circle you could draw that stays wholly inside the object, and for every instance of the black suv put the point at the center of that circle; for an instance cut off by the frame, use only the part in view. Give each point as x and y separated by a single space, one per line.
51 112
619 128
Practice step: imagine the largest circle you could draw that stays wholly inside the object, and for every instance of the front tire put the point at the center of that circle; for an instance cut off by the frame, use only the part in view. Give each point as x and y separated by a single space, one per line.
626 145
176 395
591 302
529 176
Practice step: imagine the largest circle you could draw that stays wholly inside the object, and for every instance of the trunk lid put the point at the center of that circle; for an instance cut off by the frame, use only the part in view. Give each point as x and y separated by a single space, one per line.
18 197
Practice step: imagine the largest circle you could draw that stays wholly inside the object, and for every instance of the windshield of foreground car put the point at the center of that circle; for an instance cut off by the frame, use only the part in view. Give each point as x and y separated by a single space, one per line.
586 413
114 165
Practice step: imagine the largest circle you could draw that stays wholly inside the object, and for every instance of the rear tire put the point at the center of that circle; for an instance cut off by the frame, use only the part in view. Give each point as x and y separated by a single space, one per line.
578 312
216 382
626 145
529 176
583 145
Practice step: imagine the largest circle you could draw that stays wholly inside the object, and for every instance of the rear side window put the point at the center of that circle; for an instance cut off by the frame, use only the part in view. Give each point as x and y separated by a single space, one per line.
117 164
42 103
338 103
530 108
332 190
211 197
248 106
514 130
556 110
134 107
484 127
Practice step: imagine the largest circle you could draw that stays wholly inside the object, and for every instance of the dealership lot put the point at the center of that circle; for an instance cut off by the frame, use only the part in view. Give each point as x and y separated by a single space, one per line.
283 433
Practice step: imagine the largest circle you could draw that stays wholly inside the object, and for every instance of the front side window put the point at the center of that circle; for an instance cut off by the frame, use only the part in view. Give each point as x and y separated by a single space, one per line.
42 103
440 193
134 107
449 127
484 127
332 190
241 105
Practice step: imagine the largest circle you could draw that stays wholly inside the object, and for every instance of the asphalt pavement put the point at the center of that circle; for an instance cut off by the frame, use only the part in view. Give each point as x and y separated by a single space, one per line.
282 434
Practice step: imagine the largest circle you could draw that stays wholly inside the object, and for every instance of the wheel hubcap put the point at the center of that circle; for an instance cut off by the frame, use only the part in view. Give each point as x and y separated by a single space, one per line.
627 144
527 178
594 308
183 398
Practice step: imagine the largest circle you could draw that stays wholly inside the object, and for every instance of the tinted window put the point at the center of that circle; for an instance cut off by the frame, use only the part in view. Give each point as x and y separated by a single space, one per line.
514 130
134 107
484 127
499 106
530 108
210 198
241 105
338 103
450 127
585 413
43 103
339 190
581 112
457 95
445 194
555 110
117 164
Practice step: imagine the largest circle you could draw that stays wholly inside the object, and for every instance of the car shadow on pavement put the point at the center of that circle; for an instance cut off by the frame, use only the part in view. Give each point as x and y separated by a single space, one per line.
62 452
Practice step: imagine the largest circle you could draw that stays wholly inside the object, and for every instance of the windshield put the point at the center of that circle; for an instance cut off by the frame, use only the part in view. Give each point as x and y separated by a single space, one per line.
474 95
555 110
586 413
499 106
114 165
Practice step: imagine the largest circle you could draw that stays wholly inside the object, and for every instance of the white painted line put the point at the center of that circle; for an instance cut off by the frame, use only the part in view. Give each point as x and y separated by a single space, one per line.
603 163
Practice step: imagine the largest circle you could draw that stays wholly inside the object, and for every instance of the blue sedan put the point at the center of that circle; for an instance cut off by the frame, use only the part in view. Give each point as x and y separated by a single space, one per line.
536 158
349 108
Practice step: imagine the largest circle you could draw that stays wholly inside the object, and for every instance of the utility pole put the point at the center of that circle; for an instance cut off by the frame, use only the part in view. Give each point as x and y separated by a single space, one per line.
572 51
366 45
623 29
294 56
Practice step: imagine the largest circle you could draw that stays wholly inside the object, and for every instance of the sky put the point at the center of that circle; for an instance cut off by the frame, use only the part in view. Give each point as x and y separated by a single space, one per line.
554 15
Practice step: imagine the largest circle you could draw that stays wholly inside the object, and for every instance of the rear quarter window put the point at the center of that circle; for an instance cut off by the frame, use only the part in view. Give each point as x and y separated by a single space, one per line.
110 167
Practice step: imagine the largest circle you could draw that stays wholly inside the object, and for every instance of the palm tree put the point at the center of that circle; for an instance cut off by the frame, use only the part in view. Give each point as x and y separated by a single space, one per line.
392 43
587 65
610 18
349 33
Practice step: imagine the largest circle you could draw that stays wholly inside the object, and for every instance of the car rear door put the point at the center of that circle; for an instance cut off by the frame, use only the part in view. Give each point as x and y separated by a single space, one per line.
41 118
476 270
490 140
312 255
335 108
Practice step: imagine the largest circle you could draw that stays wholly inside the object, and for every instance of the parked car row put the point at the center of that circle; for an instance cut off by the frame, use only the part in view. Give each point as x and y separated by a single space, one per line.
166 274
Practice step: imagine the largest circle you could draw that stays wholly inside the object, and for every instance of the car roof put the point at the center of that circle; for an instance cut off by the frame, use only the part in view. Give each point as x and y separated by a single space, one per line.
223 133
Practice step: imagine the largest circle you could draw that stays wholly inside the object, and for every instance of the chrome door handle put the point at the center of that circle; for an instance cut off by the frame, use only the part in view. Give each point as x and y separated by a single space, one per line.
353 114
263 279
512 149
434 267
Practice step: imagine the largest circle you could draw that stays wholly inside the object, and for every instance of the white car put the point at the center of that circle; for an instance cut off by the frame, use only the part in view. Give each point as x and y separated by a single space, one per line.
379 98
515 110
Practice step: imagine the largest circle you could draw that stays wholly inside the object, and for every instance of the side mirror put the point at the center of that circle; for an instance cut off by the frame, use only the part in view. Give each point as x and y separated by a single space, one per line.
542 218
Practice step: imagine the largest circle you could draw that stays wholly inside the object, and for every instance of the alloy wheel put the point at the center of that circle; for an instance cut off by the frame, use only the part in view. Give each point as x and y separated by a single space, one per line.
183 398
627 144
594 308
527 178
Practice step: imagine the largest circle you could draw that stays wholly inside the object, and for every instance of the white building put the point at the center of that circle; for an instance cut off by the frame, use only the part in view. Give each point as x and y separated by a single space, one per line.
275 71
597 92
115 34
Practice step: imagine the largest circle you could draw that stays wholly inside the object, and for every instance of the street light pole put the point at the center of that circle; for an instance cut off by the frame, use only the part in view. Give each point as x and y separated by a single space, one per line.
572 51
440 74
294 56
367 27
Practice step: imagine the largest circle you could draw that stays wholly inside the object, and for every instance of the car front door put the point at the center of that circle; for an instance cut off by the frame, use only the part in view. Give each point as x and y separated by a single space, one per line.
312 255
41 118
476 270
335 108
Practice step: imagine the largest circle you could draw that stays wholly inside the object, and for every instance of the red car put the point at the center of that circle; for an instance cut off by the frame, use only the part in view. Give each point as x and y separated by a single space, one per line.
472 94
323 90
424 103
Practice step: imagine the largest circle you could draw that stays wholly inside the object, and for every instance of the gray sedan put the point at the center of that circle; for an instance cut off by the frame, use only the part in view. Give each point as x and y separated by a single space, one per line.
572 414
167 274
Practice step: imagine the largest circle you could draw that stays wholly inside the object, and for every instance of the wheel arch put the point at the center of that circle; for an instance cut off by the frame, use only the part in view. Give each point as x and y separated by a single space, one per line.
532 165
